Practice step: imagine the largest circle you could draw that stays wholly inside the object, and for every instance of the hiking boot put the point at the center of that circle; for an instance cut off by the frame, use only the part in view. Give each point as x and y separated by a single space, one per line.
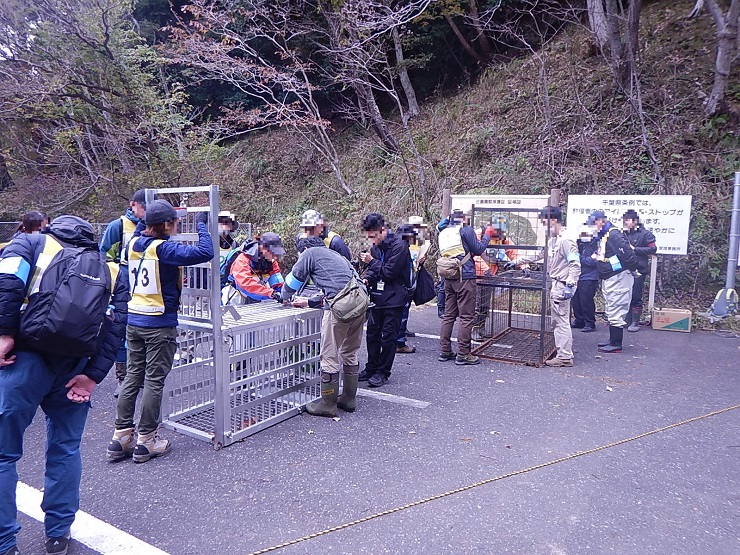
327 405
378 380
150 446
57 546
576 325
12 551
365 375
405 349
588 329
444 357
410 334
122 445
636 315
346 400
559 362
467 359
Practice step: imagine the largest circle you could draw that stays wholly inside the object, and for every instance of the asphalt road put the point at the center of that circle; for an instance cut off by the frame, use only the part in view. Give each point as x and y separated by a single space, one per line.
674 492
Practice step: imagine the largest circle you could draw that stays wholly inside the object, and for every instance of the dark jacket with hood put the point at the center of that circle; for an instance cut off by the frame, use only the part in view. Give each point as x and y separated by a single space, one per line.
619 256
17 268
589 268
389 266
643 241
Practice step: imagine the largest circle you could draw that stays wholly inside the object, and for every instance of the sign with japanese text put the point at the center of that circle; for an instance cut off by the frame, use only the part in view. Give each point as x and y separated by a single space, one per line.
522 227
667 216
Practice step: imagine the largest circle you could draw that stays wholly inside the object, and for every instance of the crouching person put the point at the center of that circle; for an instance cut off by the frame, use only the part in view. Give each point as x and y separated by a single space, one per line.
154 274
52 355
345 303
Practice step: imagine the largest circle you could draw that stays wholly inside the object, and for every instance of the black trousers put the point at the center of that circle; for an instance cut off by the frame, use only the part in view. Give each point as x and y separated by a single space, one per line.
637 292
383 325
584 308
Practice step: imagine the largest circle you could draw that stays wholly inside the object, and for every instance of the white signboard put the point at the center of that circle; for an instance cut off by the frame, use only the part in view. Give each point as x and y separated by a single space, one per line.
466 202
523 227
667 216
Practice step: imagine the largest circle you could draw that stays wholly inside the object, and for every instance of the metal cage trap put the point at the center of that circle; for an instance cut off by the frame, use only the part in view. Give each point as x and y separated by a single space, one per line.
512 320
237 370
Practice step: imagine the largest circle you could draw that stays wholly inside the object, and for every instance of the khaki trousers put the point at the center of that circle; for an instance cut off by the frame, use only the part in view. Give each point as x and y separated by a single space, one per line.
340 342
560 316
618 296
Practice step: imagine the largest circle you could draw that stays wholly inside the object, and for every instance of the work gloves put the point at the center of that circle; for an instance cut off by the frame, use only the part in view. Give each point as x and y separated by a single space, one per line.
201 218
567 292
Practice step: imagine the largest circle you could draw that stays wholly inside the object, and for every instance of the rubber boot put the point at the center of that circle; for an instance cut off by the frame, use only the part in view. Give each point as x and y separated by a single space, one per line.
327 405
150 446
615 341
636 315
122 444
346 400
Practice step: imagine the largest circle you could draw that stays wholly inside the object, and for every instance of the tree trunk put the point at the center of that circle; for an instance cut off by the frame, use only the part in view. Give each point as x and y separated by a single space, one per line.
463 41
616 53
408 88
597 22
727 36
633 26
482 39
367 100
5 179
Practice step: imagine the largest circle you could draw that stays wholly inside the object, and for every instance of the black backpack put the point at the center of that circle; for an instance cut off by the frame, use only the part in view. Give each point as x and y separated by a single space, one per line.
65 317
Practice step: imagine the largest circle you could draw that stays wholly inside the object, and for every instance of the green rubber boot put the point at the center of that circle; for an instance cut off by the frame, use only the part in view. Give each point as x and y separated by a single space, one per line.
327 405
346 400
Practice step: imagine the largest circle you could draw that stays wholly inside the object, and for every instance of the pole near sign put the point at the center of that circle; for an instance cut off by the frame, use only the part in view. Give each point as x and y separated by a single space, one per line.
667 216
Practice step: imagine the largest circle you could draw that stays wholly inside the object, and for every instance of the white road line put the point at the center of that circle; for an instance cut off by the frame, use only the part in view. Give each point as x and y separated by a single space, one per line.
428 336
93 532
393 398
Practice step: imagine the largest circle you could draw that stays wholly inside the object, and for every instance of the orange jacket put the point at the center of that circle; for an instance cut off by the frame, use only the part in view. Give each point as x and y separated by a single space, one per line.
255 285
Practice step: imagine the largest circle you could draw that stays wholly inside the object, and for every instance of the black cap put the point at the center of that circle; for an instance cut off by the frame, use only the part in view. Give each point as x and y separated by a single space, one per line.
139 196
272 242
551 213
631 215
159 212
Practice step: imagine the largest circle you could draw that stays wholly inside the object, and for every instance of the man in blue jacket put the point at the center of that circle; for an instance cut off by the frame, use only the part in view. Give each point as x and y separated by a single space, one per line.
459 240
389 280
584 308
59 384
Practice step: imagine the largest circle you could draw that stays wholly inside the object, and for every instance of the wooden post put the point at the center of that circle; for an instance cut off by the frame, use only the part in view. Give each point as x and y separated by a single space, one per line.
554 197
446 202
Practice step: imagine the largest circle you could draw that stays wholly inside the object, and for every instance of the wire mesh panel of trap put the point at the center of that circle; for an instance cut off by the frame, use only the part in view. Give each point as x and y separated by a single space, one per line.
270 371
512 319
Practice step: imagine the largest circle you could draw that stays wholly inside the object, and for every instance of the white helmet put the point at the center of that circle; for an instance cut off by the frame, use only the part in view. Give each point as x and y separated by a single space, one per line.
311 218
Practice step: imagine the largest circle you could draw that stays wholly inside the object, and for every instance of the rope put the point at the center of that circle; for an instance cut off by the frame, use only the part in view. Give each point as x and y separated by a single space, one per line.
488 481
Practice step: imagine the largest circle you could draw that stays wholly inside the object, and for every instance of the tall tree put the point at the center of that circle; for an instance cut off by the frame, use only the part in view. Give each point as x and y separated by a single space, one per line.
81 98
727 44
252 46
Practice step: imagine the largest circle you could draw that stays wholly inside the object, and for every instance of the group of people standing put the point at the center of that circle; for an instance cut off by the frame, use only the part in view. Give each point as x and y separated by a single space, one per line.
138 329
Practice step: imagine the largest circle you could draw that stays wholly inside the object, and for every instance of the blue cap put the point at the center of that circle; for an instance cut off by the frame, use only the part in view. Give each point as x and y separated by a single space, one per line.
596 215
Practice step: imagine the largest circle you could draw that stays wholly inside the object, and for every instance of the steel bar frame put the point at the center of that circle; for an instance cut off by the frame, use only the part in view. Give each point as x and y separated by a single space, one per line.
511 284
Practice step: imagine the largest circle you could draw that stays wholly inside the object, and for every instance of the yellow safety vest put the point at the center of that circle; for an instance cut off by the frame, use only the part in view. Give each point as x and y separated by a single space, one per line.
450 242
146 287
52 247
329 237
128 232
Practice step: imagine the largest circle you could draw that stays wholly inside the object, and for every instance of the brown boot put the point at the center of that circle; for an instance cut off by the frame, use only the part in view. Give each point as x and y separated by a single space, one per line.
122 444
